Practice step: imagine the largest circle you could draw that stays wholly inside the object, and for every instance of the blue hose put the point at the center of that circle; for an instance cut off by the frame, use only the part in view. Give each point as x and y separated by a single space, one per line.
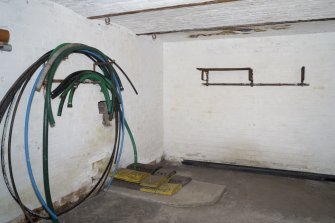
26 147
122 138
26 144
122 117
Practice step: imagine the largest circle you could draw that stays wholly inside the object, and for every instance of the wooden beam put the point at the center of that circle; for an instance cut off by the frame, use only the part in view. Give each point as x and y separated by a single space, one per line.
217 28
162 8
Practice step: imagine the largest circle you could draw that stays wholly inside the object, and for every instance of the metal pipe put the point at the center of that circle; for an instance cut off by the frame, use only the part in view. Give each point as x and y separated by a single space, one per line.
254 85
261 170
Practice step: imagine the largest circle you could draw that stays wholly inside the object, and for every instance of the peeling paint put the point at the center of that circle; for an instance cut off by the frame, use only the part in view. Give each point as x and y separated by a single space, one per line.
99 166
280 27
60 205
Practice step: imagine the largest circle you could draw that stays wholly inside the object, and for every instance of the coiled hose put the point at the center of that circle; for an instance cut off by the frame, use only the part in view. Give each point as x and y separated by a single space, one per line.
111 87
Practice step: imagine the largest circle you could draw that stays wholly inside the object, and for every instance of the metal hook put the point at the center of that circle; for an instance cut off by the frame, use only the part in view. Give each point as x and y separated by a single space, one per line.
154 36
107 20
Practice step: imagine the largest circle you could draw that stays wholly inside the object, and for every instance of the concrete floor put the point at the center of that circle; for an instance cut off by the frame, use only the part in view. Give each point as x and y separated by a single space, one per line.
251 198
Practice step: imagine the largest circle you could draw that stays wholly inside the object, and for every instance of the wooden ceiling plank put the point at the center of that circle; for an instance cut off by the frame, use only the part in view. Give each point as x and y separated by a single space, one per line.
236 27
162 8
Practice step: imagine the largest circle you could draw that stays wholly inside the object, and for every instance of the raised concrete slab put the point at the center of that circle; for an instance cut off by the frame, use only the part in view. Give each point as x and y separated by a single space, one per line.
194 194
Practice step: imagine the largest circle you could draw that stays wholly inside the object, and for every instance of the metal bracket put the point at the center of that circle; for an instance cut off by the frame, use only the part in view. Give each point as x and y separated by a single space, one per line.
205 77
106 118
102 63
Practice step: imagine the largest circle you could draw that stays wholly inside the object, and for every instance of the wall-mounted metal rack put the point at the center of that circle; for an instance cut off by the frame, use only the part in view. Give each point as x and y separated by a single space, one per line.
205 77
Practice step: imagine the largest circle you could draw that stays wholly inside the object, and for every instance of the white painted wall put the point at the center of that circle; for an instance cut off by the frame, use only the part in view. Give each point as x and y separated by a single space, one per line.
79 139
278 127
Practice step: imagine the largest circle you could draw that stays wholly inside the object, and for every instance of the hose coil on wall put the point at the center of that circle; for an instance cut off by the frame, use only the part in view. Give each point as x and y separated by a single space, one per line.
111 87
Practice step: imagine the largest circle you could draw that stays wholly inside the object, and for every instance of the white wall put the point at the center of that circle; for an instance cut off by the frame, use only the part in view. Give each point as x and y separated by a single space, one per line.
278 127
79 139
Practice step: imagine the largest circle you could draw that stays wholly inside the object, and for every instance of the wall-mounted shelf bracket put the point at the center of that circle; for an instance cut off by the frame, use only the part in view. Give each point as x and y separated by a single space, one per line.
205 77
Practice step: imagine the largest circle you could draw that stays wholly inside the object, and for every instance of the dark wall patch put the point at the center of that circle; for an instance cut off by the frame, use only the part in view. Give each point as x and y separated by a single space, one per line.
240 30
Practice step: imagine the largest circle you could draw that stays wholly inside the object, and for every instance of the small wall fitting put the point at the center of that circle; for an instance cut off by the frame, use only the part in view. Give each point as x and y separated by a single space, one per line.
4 39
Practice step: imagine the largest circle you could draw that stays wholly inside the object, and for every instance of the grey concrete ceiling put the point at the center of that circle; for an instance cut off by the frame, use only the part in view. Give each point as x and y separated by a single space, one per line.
227 13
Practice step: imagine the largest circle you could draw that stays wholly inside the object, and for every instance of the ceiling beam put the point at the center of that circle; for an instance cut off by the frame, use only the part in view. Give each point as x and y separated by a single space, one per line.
235 27
162 8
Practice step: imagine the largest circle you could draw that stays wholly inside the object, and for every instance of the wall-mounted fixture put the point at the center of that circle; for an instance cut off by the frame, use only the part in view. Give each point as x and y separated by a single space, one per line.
107 20
205 77
4 39
106 118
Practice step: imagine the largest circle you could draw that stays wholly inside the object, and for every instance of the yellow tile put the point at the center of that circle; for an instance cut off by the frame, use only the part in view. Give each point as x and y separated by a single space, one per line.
132 176
154 181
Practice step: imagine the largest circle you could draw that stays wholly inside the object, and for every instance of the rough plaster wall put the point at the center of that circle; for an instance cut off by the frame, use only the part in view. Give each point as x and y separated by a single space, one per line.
278 127
79 139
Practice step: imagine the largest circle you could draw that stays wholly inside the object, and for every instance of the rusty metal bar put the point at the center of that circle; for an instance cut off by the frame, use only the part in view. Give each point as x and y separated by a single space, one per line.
255 84
205 77
102 63
302 75
61 80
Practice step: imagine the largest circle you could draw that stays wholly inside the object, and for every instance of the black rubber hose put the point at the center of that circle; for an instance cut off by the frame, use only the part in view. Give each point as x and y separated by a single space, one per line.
62 86
104 176
15 194
100 182
103 66
6 105
18 83
118 113
26 211
126 76
2 152
69 80
116 146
